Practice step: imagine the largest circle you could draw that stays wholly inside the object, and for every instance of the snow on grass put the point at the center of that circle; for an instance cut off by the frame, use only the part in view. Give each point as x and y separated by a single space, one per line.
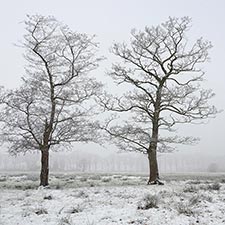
110 200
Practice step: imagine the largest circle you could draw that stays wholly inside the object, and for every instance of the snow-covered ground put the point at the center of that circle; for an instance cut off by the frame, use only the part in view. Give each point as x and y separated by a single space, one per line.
111 200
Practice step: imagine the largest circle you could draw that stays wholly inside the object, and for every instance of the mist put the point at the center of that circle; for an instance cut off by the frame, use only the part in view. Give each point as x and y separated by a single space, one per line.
112 21
86 120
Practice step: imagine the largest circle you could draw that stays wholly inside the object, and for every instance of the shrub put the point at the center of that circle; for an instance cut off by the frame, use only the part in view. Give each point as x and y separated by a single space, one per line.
26 214
149 201
48 197
117 176
165 194
91 184
75 209
214 186
106 179
124 178
222 180
206 198
194 200
83 179
40 211
184 208
82 194
190 188
29 185
3 179
65 221
18 186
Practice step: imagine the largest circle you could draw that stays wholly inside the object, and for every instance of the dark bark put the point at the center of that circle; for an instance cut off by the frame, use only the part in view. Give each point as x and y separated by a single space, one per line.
152 152
44 167
153 164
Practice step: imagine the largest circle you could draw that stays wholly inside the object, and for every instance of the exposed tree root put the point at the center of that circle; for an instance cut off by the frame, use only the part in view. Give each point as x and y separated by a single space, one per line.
157 181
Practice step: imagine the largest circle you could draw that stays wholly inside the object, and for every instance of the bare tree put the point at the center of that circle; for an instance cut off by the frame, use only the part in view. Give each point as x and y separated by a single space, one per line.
53 106
164 71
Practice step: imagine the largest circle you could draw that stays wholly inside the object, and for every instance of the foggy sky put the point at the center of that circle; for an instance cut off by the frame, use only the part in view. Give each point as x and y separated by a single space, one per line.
112 20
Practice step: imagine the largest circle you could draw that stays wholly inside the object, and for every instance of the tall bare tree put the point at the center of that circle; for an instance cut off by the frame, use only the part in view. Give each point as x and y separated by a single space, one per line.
163 70
54 106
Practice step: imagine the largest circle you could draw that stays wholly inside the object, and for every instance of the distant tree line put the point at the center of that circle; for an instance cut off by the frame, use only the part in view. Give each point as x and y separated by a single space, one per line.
80 162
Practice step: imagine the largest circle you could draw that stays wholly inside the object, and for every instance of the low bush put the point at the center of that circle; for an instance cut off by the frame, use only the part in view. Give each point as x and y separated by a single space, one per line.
48 197
184 208
83 179
40 211
106 179
190 188
214 186
149 201
82 194
222 180
65 221
194 200
75 209
3 179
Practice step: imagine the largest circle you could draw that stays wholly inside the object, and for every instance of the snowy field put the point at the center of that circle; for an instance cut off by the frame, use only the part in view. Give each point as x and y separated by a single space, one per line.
75 199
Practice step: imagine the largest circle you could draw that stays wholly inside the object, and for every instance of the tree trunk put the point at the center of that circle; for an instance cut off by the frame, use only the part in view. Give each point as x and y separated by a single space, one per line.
152 152
44 167
153 164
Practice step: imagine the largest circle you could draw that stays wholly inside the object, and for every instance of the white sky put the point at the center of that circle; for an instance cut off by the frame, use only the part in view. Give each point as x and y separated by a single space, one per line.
112 20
